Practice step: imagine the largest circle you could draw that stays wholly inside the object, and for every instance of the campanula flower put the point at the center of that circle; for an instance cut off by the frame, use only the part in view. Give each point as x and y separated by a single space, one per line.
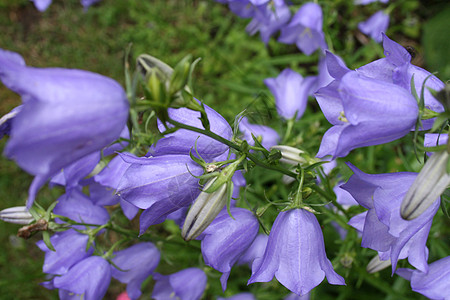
305 29
160 185
434 284
66 115
291 93
293 296
268 19
70 249
382 227
226 239
363 113
134 272
187 284
255 251
266 135
375 25
363 2
89 279
295 254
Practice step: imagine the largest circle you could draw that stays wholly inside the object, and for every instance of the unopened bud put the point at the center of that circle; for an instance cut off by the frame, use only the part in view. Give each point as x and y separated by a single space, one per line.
16 215
290 155
431 182
204 210
376 265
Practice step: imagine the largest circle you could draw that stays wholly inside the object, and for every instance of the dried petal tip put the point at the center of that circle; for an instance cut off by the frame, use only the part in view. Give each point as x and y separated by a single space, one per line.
376 265
431 182
16 215
204 210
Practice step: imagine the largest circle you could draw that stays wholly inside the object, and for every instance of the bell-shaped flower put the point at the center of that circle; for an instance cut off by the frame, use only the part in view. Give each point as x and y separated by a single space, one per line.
187 284
184 141
305 29
255 252
265 135
375 25
160 185
295 254
382 227
434 284
226 239
246 8
88 279
70 249
291 93
136 263
66 115
268 19
364 112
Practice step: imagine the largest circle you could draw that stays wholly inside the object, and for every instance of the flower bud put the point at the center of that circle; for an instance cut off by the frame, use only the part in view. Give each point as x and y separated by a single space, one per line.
431 182
290 155
376 264
16 215
204 210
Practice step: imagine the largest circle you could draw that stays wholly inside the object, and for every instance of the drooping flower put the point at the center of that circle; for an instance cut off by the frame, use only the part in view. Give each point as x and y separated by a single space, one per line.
364 112
160 185
268 19
255 251
433 284
187 284
295 254
88 278
70 249
375 25
66 115
291 93
226 239
137 262
382 227
266 135
305 29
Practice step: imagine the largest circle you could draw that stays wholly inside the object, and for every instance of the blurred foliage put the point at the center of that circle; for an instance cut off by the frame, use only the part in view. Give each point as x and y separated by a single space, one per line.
229 78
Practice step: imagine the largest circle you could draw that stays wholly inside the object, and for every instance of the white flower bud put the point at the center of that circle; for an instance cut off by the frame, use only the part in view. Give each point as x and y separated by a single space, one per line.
376 265
204 210
16 215
290 155
431 182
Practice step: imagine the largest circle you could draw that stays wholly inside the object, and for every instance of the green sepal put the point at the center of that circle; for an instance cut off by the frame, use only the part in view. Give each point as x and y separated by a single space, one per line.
258 144
315 165
230 187
274 156
180 75
147 64
47 242
48 213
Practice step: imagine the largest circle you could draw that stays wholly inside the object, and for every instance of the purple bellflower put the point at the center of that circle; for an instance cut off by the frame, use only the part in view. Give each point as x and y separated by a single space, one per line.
363 2
434 284
255 251
375 25
382 227
226 239
266 135
89 279
70 249
66 115
364 112
135 271
291 93
246 8
187 284
268 19
305 29
295 254
293 296
183 141
160 185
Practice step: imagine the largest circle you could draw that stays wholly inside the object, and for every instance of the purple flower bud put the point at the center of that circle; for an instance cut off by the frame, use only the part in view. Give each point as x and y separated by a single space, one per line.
226 239
295 254
266 135
435 283
187 284
135 272
66 115
361 110
90 278
375 25
160 185
291 92
383 229
70 249
305 29
183 141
